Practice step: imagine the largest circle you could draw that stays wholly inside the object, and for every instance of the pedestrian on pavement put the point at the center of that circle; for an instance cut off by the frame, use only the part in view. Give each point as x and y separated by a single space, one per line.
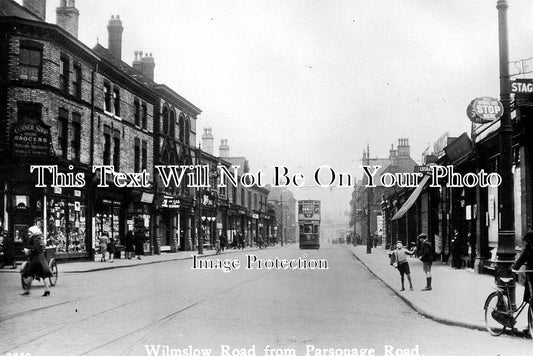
399 260
456 250
102 241
138 240
128 244
241 241
36 267
111 248
526 257
217 246
223 242
426 256
7 247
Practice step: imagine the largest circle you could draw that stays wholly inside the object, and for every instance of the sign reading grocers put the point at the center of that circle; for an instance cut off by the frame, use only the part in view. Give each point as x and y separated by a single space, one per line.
484 109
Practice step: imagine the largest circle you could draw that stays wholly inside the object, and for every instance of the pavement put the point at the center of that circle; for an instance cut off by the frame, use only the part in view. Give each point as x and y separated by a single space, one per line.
457 296
96 265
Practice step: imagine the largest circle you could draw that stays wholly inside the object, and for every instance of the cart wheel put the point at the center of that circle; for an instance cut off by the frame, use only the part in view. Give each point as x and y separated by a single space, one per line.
53 268
25 285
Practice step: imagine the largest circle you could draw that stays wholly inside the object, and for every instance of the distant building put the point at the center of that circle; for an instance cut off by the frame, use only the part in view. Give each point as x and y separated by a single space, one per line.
284 205
399 160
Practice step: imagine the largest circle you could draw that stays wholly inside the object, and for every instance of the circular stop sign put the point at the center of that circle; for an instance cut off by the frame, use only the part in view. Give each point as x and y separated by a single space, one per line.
484 109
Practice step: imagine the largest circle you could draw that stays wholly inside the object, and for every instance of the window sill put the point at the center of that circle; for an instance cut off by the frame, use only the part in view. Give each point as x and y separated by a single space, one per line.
110 114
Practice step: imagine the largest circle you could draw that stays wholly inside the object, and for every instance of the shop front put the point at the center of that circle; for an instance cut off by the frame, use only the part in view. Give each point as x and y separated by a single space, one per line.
61 213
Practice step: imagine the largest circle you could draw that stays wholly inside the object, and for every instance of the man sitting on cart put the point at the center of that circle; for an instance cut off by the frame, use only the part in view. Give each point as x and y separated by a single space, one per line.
36 267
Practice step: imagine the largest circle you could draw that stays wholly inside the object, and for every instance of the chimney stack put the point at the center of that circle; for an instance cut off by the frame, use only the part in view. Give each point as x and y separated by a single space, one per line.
223 149
207 140
404 149
67 17
148 65
114 31
36 7
137 62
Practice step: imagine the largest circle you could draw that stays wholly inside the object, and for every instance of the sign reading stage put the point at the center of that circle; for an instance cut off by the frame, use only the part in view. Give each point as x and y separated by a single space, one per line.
522 86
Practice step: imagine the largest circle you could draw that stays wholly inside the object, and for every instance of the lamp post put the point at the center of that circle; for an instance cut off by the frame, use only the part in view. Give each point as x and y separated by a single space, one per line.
369 198
506 233
282 222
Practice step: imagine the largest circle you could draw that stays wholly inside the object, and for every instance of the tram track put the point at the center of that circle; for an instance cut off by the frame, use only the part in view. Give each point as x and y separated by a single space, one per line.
147 329
156 325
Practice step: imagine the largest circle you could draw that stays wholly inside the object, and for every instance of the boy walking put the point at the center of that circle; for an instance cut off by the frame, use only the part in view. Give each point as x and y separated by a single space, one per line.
399 260
426 256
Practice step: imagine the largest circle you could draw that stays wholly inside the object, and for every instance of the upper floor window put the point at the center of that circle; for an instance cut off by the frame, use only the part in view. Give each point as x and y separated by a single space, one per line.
144 155
62 133
116 101
116 150
137 113
165 120
249 206
76 137
187 131
172 124
234 194
30 63
76 81
107 147
144 116
107 97
137 155
181 128
63 74
242 196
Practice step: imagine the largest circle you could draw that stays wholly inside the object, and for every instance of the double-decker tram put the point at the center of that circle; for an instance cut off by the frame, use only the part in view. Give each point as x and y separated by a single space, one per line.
309 223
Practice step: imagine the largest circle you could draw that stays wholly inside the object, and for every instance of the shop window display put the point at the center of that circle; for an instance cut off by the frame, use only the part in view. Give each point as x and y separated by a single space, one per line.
66 225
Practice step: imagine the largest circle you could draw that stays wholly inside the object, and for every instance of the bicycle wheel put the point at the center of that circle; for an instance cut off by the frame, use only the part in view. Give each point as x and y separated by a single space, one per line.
53 269
496 302
530 319
25 285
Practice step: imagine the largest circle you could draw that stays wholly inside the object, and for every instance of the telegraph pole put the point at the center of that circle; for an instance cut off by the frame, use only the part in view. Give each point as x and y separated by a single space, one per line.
200 225
281 206
506 233
369 198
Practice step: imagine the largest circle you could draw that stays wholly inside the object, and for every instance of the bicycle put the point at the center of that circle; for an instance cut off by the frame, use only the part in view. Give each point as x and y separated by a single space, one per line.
49 253
499 312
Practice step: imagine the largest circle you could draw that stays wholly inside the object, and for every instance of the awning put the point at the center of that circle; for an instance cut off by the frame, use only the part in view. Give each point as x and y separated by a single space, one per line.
411 200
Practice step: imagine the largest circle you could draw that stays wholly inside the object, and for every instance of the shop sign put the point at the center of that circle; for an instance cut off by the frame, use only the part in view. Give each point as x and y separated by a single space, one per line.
31 139
484 110
522 86
170 203
147 198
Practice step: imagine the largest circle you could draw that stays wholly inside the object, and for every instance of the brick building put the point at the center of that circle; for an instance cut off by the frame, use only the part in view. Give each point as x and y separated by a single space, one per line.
69 106
64 104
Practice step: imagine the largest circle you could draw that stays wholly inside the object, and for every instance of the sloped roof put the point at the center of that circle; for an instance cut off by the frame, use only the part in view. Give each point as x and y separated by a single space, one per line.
11 8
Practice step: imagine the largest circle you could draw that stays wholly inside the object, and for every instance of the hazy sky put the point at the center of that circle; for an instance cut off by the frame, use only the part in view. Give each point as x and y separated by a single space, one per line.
305 83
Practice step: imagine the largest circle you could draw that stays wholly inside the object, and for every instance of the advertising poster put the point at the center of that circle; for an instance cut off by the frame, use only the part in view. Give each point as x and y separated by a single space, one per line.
265 177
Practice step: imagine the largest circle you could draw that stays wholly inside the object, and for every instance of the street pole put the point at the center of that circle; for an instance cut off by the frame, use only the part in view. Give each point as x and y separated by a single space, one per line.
200 225
506 233
369 198
281 205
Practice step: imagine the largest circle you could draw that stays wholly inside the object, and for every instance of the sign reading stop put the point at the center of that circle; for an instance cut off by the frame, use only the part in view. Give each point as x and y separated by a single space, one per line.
484 109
